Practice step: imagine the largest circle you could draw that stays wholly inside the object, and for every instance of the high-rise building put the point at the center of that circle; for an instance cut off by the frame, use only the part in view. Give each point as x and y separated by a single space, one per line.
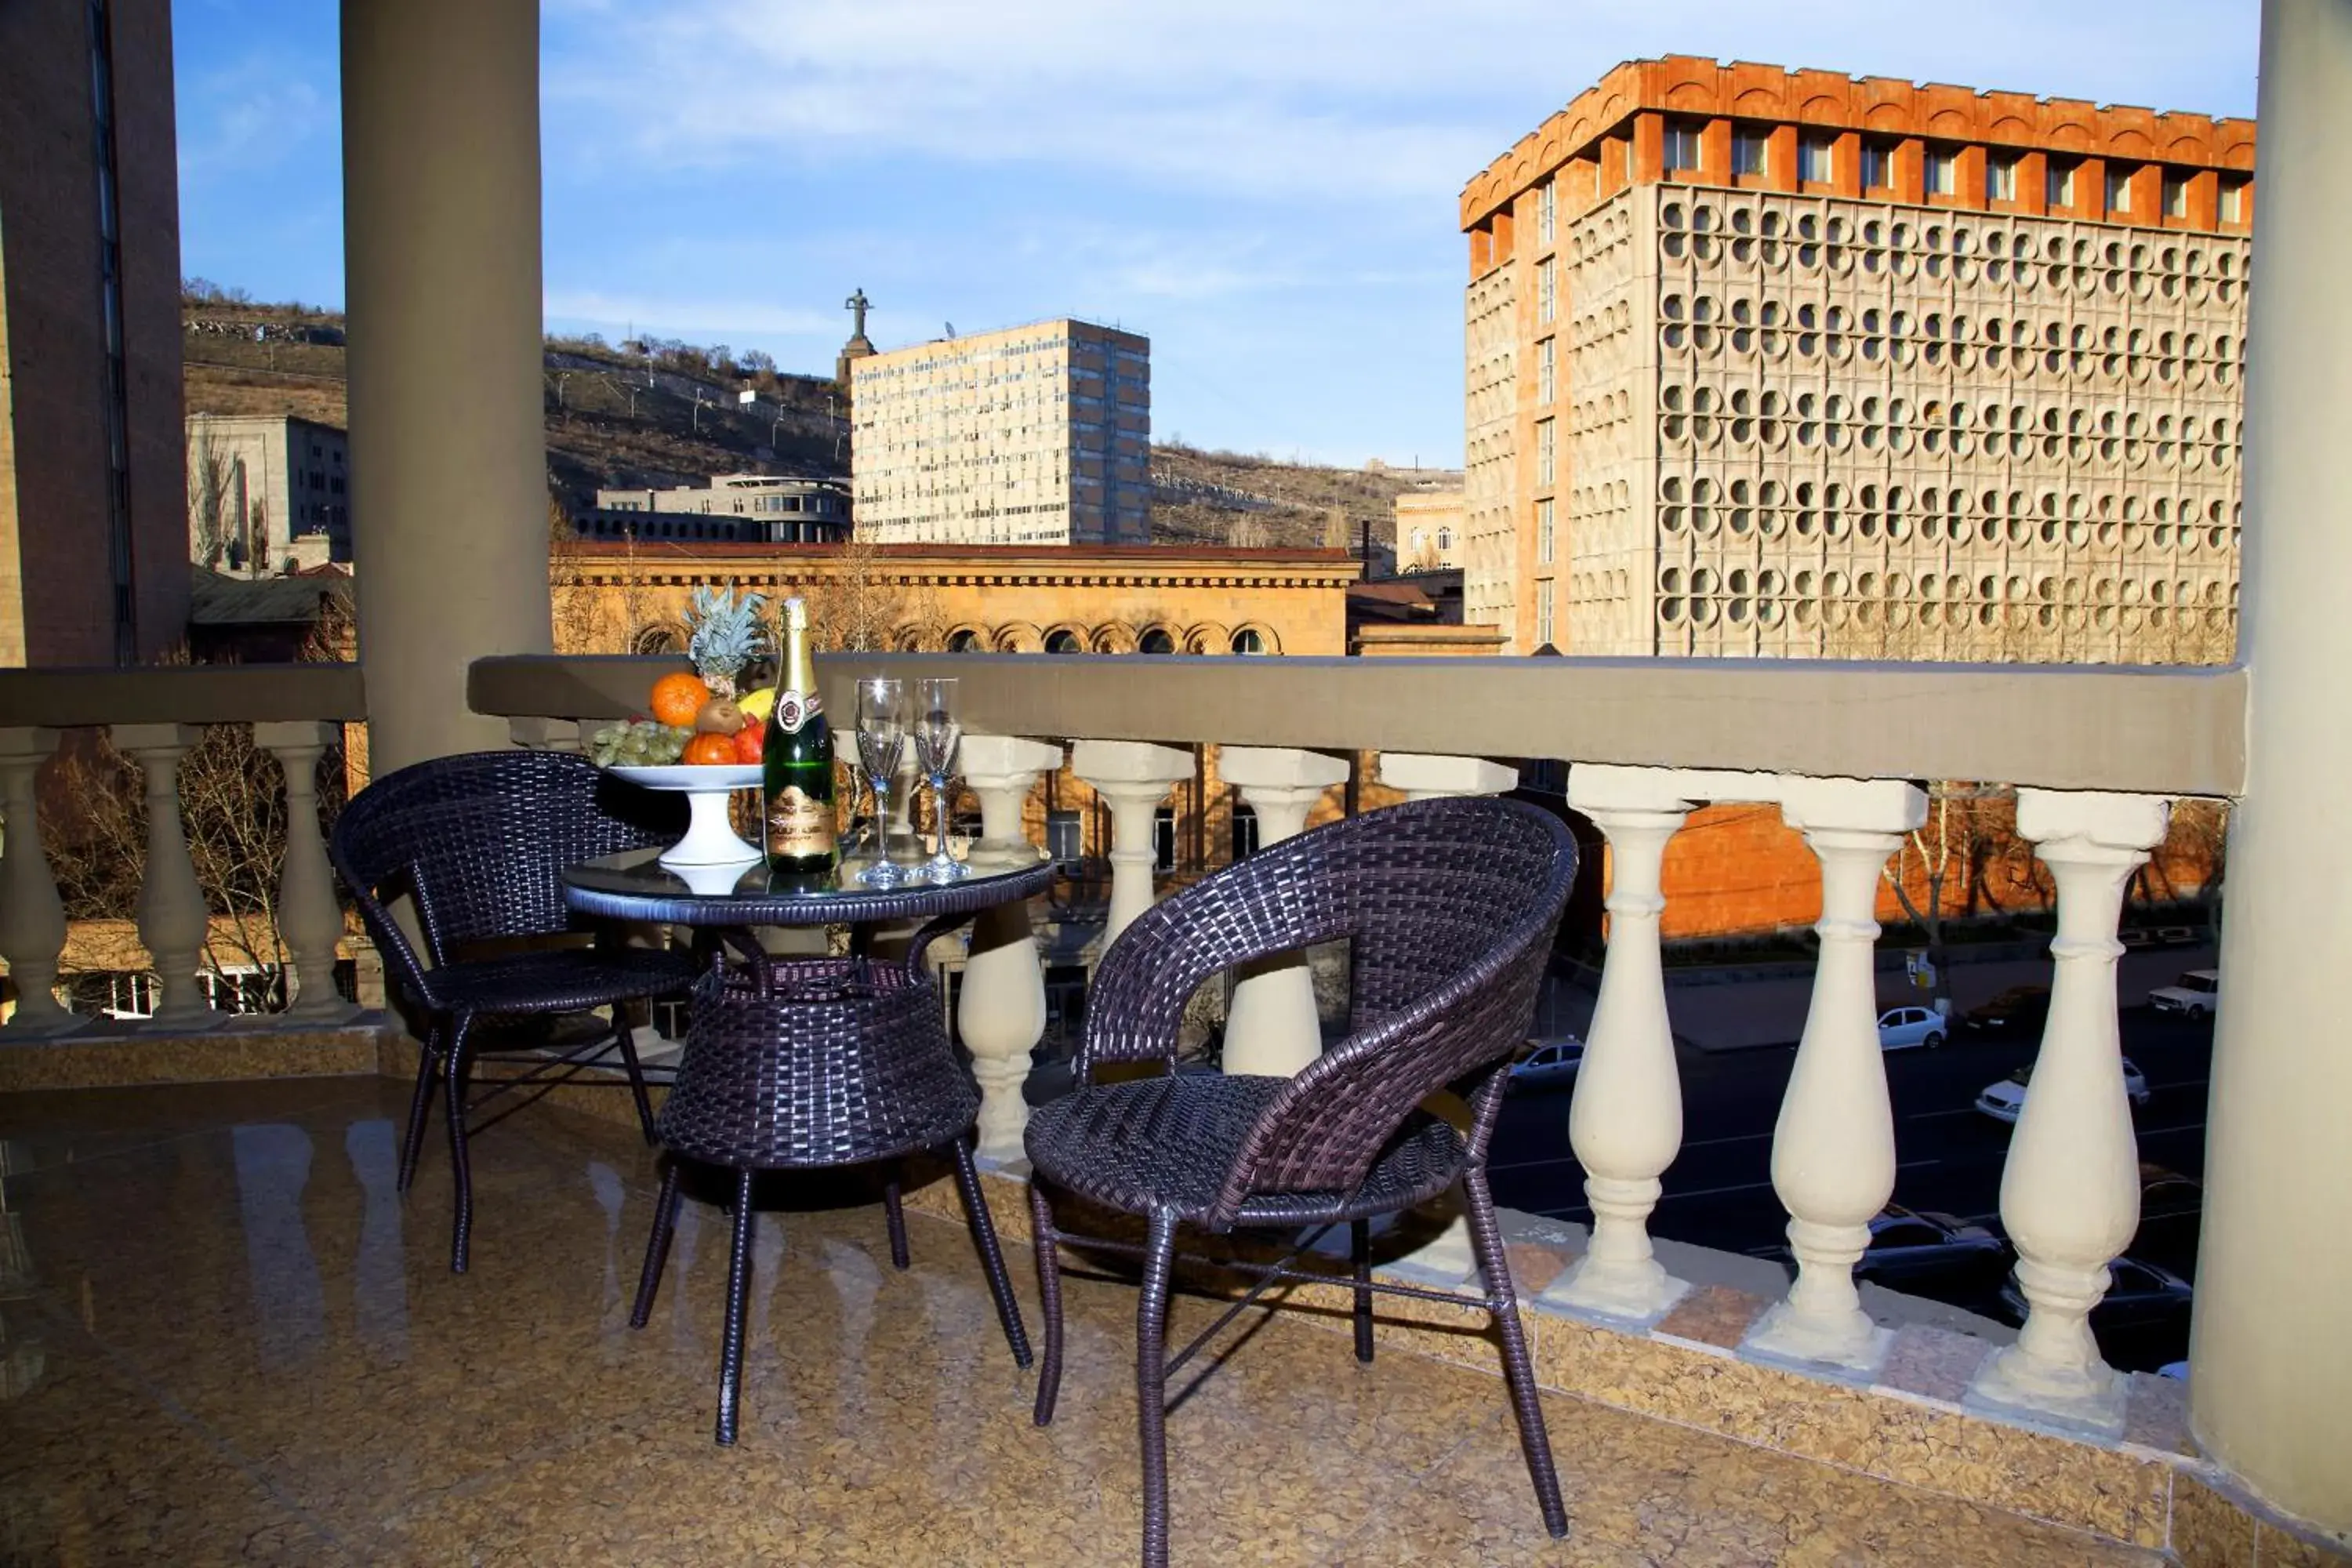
93 525
1034 435
1789 362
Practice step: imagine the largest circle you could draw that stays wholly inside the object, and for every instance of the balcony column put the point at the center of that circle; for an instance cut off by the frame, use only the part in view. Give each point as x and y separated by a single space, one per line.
1449 1255
1272 1027
173 921
1001 1015
2270 1394
1833 1145
31 916
441 247
1625 1119
310 921
2070 1191
1134 776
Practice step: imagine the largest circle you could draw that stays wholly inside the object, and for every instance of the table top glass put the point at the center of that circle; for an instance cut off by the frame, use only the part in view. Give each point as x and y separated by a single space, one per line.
634 885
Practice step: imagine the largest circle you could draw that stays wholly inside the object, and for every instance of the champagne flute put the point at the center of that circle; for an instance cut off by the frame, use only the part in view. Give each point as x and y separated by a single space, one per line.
937 733
881 742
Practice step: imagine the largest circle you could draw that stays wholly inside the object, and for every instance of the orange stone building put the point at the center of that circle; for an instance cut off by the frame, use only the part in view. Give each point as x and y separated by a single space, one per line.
1794 363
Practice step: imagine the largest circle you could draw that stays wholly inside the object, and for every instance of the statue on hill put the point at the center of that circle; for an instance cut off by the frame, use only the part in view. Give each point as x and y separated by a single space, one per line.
859 345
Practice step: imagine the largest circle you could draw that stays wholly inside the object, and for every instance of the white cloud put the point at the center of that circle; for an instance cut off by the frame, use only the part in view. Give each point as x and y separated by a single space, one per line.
682 316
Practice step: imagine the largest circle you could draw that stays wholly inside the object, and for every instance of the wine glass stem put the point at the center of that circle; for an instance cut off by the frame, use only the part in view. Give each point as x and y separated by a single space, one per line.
940 813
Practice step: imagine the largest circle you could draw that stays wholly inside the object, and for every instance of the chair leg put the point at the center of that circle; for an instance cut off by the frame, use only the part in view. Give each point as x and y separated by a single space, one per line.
1360 1254
657 1248
1151 1384
1049 1296
895 1212
739 1308
420 1105
637 1071
1502 1306
992 1259
460 1070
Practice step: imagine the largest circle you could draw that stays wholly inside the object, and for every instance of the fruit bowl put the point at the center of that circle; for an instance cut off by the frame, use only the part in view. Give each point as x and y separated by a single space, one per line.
709 839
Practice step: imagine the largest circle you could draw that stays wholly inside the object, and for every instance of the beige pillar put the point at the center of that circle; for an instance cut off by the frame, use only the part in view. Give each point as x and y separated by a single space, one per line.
309 918
1271 1025
173 921
2271 1387
441 247
1134 778
1002 1013
31 916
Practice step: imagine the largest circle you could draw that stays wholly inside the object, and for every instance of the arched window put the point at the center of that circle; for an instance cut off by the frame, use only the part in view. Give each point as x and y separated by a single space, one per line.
1248 641
1062 642
1244 832
1156 640
1445 539
650 640
965 641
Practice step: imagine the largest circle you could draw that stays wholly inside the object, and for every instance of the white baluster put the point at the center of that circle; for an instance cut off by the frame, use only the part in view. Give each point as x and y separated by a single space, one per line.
540 734
1001 1015
1271 1027
310 921
1447 1257
1833 1146
2070 1193
173 921
32 919
1134 776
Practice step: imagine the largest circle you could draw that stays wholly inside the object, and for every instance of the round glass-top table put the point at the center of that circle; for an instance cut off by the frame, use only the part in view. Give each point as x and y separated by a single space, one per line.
635 886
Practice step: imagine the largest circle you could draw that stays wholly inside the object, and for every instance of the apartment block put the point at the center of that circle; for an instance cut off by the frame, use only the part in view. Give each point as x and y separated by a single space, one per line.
1775 362
1034 435
267 493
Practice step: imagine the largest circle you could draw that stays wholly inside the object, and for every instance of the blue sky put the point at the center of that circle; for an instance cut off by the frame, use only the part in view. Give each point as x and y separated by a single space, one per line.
1267 189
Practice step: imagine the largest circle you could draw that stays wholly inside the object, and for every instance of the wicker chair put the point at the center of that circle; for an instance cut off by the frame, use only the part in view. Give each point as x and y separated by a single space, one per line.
813 1064
1449 907
479 843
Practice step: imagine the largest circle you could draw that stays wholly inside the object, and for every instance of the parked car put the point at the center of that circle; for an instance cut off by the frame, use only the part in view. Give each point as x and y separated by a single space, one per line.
2005 1100
1909 1248
2142 1323
2021 1009
2171 1214
1902 1027
1550 1063
2197 993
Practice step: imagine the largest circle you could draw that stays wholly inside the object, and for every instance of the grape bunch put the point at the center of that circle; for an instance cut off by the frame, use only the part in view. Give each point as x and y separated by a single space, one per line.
638 743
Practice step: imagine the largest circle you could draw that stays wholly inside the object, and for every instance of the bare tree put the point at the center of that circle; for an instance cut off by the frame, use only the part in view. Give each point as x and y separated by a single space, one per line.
210 502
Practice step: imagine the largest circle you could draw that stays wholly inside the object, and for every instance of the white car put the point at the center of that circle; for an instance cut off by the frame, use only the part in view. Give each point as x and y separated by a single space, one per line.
1902 1027
1550 1062
2197 993
2005 1100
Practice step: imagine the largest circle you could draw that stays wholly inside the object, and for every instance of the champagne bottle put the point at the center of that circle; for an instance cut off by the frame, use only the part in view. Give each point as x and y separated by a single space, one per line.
797 784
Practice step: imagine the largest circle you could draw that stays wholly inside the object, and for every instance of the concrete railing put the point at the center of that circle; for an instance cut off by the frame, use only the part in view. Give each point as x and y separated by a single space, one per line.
156 716
2097 755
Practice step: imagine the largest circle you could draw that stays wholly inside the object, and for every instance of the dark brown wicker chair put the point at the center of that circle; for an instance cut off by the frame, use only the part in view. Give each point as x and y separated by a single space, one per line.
1449 907
479 843
811 1064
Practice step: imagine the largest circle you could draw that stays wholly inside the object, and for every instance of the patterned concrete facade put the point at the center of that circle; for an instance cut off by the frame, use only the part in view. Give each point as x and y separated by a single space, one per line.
1787 363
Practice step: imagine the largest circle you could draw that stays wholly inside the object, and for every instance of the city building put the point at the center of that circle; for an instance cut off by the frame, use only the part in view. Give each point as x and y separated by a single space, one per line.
1429 525
1034 435
267 493
771 509
91 569
1766 362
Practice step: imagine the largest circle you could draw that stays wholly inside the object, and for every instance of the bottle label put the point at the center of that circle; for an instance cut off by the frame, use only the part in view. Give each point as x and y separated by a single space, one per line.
795 709
799 826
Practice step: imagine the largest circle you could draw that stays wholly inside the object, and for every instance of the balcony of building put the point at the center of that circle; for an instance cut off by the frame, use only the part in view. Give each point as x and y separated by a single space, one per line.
229 1337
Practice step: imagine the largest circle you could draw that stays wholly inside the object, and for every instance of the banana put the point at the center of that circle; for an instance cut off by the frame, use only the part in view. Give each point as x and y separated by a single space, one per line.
757 706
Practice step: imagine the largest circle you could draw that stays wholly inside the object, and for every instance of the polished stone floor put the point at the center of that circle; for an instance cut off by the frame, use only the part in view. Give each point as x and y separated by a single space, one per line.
228 1340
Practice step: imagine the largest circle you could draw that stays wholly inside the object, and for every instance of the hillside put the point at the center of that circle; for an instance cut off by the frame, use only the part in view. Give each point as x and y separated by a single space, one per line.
660 412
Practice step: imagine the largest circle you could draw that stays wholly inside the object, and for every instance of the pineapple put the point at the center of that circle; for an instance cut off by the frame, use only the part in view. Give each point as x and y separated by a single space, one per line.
727 636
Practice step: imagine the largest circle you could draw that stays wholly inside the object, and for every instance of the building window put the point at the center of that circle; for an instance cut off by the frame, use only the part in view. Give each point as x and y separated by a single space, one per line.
1163 838
1444 539
1547 212
1547 450
1547 370
1747 153
2119 184
2001 179
1543 612
1156 640
2233 201
1877 165
1062 642
2058 186
1543 532
1064 837
1816 161
1547 288
1681 147
1943 173
1248 641
2176 194
1244 832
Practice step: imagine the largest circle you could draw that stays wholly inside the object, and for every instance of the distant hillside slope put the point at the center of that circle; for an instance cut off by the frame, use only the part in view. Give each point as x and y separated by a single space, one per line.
666 414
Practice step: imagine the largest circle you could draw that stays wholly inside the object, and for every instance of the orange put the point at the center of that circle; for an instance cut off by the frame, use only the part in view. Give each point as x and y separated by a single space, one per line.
705 748
677 699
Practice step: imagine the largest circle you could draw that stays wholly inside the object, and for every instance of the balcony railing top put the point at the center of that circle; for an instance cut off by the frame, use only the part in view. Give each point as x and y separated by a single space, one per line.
181 694
2162 730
